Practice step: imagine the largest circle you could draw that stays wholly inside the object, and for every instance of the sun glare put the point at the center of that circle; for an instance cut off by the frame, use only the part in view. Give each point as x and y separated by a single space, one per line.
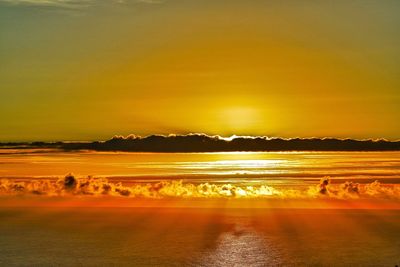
240 119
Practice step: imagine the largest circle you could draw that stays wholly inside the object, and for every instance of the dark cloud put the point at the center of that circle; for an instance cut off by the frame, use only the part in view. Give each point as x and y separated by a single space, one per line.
70 182
323 185
211 143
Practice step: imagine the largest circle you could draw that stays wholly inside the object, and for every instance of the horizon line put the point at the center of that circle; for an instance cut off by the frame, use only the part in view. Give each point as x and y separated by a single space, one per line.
218 136
196 142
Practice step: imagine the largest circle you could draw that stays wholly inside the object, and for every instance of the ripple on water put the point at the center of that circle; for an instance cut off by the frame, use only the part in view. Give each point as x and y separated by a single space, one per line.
242 246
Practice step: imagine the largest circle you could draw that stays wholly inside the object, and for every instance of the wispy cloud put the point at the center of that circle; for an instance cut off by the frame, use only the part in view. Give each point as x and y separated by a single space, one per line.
52 3
148 1
73 3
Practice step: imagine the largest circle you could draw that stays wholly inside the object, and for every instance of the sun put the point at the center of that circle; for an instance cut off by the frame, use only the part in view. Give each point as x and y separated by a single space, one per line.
240 119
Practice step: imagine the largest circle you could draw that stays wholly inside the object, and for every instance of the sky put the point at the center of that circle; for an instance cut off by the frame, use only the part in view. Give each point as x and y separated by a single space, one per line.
88 70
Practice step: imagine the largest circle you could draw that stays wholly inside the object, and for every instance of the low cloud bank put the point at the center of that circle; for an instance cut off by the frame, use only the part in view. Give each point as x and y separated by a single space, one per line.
72 186
215 143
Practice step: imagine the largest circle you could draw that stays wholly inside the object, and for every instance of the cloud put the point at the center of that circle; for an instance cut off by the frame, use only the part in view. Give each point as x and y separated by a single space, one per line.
74 4
197 142
200 142
52 3
351 190
70 186
149 1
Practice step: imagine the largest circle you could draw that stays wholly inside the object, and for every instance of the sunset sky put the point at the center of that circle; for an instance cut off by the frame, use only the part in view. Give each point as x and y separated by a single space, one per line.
87 70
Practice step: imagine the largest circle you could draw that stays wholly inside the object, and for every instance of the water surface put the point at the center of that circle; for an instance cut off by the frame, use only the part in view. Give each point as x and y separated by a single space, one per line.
282 168
199 209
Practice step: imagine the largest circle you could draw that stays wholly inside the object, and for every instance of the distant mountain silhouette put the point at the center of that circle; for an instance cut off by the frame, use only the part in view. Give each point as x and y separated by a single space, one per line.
206 143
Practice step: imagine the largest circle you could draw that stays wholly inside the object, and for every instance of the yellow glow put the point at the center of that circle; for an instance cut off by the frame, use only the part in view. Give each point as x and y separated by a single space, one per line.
240 118
269 71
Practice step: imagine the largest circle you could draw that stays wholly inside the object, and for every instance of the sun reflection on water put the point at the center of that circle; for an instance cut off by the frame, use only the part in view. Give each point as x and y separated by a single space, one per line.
242 246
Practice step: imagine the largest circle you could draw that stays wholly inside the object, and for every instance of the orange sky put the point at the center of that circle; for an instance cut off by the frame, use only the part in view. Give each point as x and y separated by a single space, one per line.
87 70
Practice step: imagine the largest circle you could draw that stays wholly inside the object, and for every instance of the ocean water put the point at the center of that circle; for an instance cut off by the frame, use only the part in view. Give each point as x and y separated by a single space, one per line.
198 237
340 175
210 209
282 168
